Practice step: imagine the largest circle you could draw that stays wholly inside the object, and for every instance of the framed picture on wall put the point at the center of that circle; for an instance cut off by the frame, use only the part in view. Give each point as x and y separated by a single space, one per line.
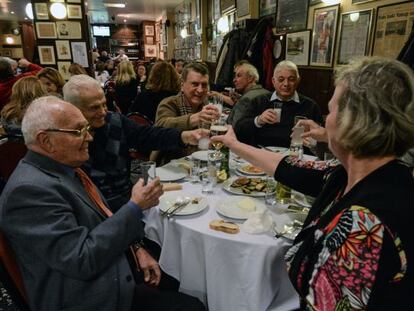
149 40
149 30
324 34
46 54
297 47
361 1
69 30
313 2
150 50
74 11
354 35
392 28
291 15
267 7
243 7
63 49
41 11
74 1
79 53
63 68
46 30
227 5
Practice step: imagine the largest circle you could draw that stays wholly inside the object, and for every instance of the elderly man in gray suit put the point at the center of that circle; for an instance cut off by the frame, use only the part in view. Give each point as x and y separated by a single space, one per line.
71 251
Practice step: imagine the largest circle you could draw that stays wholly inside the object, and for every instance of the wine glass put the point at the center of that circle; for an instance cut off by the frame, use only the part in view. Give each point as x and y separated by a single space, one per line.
218 128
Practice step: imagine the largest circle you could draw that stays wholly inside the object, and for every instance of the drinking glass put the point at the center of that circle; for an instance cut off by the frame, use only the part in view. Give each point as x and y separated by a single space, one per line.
218 128
296 143
209 173
195 171
148 171
270 198
204 142
283 193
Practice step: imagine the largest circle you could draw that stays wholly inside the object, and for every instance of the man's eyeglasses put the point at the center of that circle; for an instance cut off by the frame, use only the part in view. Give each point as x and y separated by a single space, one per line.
79 133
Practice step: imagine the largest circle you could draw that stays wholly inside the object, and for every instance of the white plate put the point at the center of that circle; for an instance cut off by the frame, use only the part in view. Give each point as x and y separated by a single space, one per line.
240 169
229 208
227 187
277 149
200 155
167 200
171 173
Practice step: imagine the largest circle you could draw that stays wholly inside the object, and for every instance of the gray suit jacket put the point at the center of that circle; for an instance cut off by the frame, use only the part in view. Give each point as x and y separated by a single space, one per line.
71 256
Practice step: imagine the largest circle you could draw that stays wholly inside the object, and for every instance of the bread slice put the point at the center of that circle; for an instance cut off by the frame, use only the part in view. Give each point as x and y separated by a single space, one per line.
224 226
171 186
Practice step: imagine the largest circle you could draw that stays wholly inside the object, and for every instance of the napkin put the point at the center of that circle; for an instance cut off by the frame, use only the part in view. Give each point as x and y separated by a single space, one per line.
171 186
259 221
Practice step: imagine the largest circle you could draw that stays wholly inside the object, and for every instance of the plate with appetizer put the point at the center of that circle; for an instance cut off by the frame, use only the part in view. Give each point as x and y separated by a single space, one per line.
250 186
251 170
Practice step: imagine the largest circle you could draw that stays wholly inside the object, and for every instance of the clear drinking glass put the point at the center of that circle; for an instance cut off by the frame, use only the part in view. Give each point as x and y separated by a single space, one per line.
148 171
283 193
195 171
204 142
219 127
270 198
209 174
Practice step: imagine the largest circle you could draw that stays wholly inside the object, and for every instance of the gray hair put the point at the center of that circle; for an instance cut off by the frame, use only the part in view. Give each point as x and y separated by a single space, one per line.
76 86
376 110
38 117
11 61
250 70
287 64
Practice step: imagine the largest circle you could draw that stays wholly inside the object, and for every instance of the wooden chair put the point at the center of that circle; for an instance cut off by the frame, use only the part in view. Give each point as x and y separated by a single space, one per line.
143 120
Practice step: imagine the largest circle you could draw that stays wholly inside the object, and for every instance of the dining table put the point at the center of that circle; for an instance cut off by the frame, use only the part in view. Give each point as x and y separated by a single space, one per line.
240 272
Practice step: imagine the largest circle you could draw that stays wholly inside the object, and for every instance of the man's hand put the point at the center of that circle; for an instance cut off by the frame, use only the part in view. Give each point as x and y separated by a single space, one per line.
146 196
23 63
192 137
268 116
229 139
150 267
209 113
313 130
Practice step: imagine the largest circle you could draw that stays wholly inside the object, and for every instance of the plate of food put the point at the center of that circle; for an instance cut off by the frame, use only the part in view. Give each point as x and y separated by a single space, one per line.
239 207
196 204
250 170
250 186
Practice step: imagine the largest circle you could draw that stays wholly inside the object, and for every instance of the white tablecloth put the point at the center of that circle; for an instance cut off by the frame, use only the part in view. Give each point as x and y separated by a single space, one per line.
240 272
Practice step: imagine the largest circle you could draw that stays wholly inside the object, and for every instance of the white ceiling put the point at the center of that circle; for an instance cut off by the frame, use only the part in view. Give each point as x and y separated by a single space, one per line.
135 10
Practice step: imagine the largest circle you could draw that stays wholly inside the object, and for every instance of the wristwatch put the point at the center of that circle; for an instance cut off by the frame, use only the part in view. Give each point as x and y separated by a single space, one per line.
137 245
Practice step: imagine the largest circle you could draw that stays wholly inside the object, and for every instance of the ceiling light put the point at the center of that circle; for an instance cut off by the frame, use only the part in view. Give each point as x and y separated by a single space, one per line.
9 40
12 12
29 10
124 20
58 10
115 5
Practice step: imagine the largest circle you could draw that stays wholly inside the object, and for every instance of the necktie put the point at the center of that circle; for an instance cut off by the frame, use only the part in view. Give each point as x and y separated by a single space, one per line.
93 194
92 191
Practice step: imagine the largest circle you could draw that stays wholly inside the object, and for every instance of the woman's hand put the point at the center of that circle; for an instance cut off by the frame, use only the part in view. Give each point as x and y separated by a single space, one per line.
229 139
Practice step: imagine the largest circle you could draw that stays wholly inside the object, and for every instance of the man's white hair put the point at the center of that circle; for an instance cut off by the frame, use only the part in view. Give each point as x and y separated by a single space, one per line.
39 116
286 64
77 86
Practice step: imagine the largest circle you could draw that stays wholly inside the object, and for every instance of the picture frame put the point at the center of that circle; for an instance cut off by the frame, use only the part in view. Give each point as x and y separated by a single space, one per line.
267 7
46 54
74 11
149 30
63 68
360 1
80 53
6 52
243 7
63 49
314 2
297 47
74 1
41 11
291 15
392 28
57 1
150 50
226 5
325 21
149 40
46 30
216 10
354 35
69 30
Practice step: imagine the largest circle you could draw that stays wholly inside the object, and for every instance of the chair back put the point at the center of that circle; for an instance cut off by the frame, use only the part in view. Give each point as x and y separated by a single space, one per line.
11 152
10 275
142 120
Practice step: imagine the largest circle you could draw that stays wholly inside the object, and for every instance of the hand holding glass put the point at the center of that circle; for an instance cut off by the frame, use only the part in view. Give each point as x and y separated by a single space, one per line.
148 171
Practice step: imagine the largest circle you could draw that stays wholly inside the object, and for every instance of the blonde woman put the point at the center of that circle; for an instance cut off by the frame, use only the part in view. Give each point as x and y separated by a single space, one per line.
126 84
52 80
24 92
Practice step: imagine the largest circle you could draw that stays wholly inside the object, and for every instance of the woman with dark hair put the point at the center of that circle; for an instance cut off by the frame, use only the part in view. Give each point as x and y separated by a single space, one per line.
356 250
52 80
162 82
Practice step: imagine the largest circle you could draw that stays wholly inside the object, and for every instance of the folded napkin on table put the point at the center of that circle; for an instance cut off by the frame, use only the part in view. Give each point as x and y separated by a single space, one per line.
259 221
171 186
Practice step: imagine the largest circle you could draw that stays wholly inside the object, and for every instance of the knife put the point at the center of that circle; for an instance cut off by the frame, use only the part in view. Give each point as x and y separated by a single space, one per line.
178 208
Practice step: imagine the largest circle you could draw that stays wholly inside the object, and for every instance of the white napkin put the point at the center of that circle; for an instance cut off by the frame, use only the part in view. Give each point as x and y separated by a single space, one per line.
259 221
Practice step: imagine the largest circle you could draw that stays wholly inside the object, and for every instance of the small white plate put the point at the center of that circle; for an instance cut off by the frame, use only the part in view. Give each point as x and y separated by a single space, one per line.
167 200
243 169
171 173
200 155
230 209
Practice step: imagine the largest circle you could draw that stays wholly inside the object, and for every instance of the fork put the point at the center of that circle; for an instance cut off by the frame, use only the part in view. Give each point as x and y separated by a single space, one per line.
178 207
